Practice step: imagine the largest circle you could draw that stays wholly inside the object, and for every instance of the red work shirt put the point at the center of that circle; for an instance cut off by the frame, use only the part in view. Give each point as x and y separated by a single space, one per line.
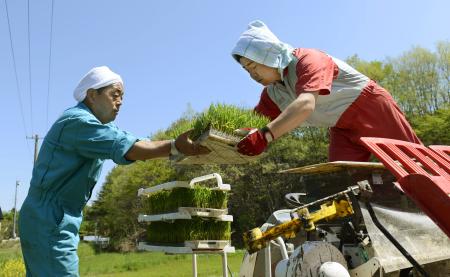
348 102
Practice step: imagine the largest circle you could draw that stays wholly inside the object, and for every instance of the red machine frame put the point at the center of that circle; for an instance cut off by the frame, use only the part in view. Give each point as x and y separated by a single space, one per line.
423 174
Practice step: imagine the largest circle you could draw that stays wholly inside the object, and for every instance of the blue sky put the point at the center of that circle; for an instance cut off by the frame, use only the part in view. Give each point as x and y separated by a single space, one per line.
172 54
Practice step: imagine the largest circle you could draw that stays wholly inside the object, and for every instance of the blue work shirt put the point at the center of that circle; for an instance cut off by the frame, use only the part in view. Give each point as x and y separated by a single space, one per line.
66 171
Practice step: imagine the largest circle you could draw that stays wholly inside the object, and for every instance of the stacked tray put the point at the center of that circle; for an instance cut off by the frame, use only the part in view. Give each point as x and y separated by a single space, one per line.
185 217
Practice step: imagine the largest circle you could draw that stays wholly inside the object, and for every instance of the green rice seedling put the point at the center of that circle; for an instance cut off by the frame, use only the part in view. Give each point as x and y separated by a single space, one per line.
175 129
180 127
226 119
198 197
220 117
184 230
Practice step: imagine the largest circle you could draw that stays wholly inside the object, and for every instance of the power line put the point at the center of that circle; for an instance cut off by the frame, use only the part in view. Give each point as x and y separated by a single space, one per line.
15 74
50 60
29 68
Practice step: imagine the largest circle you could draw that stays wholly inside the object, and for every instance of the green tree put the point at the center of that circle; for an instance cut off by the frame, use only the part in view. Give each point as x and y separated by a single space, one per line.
7 225
443 52
378 71
434 128
118 206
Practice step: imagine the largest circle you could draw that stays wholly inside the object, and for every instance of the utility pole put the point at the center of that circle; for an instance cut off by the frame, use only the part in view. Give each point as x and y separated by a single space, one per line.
15 211
1 218
36 146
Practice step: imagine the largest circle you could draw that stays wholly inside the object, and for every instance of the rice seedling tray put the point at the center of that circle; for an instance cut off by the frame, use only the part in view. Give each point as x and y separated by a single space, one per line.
196 247
188 213
184 184
169 201
223 150
181 230
194 196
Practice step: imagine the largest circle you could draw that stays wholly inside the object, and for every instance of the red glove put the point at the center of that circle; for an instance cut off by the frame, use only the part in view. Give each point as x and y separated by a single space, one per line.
255 142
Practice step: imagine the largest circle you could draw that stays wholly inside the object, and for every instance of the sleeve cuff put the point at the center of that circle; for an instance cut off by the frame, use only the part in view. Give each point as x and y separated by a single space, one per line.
122 147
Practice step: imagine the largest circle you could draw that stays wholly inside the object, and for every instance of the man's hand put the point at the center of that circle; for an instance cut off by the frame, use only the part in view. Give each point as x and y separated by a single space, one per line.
255 142
187 147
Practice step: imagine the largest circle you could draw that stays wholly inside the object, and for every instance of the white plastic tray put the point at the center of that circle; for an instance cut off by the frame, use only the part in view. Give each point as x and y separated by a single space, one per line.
207 244
184 184
227 248
188 213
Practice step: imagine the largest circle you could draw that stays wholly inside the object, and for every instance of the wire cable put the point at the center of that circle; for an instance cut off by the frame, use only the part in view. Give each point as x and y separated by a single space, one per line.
50 60
29 68
16 76
391 238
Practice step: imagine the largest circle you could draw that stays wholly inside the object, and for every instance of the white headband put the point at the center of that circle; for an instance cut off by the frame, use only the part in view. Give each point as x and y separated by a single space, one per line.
97 77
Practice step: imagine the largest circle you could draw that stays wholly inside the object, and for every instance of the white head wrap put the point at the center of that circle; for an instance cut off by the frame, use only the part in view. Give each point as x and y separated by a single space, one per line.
260 45
97 77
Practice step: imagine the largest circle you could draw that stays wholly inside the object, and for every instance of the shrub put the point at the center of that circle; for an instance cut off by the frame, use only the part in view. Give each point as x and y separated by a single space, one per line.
13 268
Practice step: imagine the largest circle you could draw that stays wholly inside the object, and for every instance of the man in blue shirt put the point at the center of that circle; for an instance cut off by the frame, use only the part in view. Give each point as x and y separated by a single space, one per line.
67 169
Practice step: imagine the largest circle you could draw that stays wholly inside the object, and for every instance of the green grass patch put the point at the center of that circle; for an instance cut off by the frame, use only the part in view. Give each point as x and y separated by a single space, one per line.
10 250
137 264
197 197
11 262
152 264
188 229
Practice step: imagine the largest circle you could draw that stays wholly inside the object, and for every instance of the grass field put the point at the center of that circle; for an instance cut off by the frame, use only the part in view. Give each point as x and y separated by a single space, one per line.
140 263
9 250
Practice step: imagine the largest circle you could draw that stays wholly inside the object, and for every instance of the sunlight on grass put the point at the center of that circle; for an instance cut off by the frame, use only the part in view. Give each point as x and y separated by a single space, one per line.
152 264
138 264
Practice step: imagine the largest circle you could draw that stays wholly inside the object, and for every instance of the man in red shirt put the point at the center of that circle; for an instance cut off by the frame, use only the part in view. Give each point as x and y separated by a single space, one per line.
306 87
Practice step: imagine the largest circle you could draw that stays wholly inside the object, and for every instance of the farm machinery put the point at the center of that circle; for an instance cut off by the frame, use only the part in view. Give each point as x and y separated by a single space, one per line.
362 219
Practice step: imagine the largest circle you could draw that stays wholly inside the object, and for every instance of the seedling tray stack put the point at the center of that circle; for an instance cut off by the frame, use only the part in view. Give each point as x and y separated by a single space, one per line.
186 217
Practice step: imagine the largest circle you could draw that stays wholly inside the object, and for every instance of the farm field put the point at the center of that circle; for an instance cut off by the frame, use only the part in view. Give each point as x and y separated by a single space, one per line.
139 263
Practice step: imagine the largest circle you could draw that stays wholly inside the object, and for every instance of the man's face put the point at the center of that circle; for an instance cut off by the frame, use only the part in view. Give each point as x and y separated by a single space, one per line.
106 104
262 74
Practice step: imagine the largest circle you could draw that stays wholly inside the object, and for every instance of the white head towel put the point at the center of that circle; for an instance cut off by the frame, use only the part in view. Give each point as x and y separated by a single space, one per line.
97 77
260 45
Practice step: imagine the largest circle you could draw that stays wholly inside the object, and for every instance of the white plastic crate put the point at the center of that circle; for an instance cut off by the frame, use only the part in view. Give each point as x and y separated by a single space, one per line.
190 247
184 184
188 213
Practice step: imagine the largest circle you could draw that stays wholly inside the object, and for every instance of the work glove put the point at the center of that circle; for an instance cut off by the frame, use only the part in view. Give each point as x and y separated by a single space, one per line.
255 142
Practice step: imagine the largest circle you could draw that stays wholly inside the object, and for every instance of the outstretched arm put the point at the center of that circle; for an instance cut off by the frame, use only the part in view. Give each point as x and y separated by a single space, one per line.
294 115
145 149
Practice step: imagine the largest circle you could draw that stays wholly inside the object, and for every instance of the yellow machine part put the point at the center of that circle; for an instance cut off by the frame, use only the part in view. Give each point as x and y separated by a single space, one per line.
255 239
327 211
